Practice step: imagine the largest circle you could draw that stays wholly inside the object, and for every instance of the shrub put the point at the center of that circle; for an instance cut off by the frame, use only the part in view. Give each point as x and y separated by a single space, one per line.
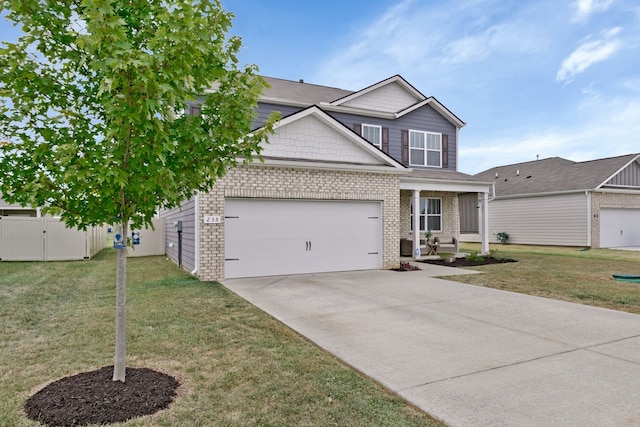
474 256
503 237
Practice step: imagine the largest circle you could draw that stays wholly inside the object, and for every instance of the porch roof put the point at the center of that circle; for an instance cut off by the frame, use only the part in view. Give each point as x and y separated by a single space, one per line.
443 180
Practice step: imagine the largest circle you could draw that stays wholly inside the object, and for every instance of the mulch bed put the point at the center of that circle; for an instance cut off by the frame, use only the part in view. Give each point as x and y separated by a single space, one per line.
406 266
94 398
463 262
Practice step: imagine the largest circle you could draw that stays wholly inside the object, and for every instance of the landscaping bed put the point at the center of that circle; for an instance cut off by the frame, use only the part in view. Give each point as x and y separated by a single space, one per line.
465 262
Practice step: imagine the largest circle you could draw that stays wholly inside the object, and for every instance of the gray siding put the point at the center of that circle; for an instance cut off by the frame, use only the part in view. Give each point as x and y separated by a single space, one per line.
469 219
425 119
186 214
265 109
550 220
628 177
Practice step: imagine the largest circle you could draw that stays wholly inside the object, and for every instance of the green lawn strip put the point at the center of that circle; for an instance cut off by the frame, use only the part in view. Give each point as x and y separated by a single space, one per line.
238 366
568 274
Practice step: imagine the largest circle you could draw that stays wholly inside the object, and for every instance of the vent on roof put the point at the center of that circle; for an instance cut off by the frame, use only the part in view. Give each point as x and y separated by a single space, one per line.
301 80
518 172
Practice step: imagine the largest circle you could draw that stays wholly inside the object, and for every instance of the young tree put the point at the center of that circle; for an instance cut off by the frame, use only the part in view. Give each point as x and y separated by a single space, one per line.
92 102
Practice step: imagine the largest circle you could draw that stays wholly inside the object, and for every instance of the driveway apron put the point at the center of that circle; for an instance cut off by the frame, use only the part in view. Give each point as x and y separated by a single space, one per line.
467 355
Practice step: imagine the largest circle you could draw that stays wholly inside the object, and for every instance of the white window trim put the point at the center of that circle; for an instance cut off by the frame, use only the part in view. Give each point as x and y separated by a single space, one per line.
425 150
379 133
426 214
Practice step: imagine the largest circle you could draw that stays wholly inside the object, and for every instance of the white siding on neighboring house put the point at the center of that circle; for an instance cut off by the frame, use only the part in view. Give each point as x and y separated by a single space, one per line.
548 220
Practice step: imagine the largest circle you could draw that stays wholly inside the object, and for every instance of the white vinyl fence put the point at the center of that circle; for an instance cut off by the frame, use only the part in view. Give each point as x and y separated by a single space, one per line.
151 241
47 239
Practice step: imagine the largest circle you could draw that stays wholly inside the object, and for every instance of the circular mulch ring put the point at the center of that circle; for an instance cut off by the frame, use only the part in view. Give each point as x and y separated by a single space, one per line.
94 398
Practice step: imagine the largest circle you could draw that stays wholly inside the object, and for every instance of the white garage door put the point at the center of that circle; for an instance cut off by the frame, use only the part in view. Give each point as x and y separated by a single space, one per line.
265 237
619 228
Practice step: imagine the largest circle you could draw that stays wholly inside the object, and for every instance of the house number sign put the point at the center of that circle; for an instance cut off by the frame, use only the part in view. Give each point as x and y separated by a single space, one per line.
212 219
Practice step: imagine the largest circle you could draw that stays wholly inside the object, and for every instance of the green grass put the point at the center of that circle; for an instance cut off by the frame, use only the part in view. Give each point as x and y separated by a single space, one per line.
570 274
237 365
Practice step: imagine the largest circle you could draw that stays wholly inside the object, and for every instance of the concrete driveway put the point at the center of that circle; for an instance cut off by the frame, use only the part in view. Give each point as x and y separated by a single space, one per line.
467 355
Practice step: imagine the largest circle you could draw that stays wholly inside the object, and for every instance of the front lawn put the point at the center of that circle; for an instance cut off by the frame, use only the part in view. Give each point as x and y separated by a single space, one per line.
569 274
237 365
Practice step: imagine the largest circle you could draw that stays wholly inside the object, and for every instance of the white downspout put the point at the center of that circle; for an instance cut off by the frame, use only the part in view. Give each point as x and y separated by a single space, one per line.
485 223
196 238
589 218
416 224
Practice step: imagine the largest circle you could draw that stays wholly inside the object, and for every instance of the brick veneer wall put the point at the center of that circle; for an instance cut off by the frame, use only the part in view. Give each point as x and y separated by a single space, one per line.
450 213
291 183
608 200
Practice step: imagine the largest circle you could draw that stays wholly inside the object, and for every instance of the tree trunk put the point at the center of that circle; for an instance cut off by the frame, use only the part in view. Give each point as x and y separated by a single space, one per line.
121 311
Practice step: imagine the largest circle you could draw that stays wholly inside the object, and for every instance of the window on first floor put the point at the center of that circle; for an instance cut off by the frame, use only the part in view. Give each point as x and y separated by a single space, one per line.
425 148
373 134
430 214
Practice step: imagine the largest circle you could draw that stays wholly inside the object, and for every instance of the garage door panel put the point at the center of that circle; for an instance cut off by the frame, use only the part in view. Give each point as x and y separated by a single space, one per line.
619 227
273 237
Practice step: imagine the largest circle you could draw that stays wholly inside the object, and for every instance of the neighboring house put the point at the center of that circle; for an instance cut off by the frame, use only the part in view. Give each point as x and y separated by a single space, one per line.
336 191
560 202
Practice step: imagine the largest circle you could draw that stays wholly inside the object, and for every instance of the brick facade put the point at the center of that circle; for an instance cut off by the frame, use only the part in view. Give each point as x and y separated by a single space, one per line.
608 200
450 213
291 183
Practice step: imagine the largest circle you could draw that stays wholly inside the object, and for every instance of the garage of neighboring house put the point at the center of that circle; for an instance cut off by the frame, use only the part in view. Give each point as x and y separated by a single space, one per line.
619 227
271 237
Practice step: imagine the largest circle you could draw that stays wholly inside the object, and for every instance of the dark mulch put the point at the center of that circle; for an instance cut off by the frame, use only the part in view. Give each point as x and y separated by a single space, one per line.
463 262
406 266
94 398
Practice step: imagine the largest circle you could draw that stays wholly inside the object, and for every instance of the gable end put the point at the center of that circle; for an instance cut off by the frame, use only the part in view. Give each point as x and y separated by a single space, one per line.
627 177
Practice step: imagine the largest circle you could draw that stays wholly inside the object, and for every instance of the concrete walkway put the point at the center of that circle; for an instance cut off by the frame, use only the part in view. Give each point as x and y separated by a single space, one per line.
467 355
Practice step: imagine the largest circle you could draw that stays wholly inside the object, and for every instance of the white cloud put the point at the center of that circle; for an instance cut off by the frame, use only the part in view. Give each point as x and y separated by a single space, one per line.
590 52
515 37
411 37
586 8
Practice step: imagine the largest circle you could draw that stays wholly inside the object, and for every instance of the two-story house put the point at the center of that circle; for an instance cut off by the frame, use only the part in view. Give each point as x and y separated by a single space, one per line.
337 190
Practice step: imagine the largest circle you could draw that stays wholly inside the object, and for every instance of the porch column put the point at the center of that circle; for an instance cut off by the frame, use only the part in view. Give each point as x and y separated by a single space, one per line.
416 223
485 223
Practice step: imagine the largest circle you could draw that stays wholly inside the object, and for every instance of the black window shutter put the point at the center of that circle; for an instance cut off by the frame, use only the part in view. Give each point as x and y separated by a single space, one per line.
445 150
405 146
385 140
357 128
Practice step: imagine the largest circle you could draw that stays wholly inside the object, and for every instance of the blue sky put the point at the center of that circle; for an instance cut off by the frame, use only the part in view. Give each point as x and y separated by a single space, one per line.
530 78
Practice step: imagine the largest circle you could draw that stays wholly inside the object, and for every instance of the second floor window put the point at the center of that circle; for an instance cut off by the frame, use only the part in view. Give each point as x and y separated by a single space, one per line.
425 148
373 134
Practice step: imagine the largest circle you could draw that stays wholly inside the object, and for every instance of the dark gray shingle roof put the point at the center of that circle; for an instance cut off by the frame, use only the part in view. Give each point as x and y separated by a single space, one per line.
552 175
306 93
445 175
